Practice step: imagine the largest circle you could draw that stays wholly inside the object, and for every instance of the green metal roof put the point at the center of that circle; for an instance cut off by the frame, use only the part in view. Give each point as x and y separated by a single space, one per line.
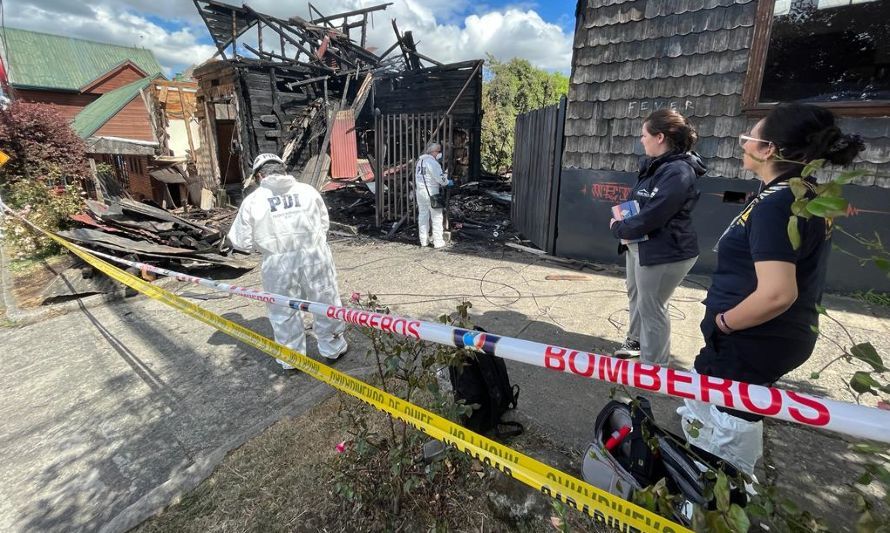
93 116
41 60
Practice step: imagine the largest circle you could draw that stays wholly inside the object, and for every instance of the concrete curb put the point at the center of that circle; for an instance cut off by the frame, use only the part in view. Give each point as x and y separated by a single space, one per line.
182 482
6 296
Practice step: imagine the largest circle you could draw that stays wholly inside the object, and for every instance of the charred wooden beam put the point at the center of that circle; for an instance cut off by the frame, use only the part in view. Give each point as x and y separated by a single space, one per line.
219 49
362 11
320 15
389 50
217 28
411 48
279 27
401 43
454 102
273 55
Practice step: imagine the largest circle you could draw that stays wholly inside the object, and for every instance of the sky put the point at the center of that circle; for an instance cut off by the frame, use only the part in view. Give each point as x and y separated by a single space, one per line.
446 30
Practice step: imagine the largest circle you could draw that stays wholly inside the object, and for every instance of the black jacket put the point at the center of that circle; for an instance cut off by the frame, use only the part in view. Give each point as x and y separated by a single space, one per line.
667 194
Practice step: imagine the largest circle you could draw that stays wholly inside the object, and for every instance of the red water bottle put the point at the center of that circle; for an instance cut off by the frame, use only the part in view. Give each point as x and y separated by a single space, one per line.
617 436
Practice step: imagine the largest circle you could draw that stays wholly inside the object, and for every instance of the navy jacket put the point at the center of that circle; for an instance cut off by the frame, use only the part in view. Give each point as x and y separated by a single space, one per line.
667 194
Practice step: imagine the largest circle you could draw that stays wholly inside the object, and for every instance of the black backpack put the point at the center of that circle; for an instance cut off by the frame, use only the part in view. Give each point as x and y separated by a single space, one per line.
482 380
633 464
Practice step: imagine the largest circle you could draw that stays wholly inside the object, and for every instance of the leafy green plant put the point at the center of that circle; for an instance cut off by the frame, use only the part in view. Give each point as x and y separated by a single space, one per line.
869 375
873 297
47 206
378 471
44 175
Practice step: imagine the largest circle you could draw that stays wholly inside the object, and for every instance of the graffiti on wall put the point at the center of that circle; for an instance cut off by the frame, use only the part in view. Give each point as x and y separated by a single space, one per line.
611 191
644 107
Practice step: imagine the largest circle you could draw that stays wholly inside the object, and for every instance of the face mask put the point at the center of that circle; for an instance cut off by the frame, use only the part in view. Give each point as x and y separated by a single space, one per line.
439 156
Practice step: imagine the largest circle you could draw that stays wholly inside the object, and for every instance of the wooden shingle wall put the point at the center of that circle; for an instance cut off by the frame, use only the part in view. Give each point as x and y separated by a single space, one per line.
632 57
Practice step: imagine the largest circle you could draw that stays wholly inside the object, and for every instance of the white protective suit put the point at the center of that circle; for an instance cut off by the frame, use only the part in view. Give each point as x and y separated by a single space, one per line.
427 170
287 221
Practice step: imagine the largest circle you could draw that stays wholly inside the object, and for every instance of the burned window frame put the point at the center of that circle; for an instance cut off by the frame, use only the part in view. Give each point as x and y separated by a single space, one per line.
757 64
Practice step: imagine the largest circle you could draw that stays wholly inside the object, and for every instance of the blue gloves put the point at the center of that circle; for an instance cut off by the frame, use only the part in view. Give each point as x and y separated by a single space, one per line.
450 183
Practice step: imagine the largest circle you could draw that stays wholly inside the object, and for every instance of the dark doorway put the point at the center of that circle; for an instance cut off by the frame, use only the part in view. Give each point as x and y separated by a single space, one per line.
229 162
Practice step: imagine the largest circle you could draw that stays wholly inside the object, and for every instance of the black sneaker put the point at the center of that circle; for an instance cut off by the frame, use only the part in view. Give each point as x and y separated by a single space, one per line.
628 350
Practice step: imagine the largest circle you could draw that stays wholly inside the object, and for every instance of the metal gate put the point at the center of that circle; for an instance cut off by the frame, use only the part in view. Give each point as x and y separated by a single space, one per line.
401 138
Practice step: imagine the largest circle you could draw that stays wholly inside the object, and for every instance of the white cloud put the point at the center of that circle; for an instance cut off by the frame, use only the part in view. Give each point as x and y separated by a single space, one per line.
439 26
173 49
505 33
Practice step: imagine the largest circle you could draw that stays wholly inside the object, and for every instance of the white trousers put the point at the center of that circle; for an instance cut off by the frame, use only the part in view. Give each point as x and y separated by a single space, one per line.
308 276
425 214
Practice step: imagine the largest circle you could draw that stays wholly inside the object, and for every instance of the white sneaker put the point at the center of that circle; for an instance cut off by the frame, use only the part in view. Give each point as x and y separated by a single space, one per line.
285 365
438 245
424 244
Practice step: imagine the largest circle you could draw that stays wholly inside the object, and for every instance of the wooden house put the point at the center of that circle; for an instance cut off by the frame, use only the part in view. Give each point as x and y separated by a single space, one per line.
724 64
99 87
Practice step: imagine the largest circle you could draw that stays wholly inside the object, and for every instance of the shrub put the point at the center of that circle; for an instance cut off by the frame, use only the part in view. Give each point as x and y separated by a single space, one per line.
43 176
48 207
41 145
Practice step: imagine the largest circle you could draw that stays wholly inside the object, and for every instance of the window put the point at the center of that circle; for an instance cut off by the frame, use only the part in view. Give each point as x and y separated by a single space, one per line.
122 171
224 111
833 52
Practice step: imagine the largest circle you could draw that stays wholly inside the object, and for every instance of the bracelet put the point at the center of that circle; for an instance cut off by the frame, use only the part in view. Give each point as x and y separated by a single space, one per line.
722 319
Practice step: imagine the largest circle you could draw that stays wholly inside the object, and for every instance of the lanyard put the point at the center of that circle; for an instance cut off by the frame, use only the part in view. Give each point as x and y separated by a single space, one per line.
764 192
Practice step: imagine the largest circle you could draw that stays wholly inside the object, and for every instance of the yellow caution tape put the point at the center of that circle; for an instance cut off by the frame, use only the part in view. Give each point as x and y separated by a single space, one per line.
604 507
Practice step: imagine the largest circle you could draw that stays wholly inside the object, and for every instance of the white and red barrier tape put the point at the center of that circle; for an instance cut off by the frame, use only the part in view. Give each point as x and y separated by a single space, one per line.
842 417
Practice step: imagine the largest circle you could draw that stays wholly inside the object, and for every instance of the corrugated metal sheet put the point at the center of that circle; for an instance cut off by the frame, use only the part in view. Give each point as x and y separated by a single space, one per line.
344 150
55 62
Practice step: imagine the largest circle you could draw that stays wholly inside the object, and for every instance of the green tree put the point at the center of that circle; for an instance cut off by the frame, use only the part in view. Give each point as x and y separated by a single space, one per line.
513 88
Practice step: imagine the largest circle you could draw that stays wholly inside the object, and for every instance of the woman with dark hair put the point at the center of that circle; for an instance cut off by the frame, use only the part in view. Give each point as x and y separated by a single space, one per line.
666 193
761 306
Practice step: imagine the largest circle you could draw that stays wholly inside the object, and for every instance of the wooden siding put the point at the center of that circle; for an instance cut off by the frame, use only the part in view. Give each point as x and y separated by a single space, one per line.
68 104
131 122
632 57
117 78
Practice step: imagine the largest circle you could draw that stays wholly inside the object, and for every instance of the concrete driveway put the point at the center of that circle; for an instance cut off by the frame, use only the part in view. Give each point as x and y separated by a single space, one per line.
109 412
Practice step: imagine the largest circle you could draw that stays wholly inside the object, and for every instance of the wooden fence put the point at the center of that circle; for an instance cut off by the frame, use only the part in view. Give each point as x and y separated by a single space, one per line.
537 162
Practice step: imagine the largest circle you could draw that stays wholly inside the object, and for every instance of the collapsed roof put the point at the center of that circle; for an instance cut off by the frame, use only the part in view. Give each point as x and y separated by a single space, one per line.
312 92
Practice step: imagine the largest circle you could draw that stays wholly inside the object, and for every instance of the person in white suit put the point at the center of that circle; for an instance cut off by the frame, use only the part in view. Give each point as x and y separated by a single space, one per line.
428 179
287 221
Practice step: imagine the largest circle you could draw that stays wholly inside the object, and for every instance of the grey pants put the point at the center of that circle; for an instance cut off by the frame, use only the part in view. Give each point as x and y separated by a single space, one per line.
648 289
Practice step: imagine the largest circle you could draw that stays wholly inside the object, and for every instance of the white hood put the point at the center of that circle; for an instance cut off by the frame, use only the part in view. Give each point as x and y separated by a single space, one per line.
278 183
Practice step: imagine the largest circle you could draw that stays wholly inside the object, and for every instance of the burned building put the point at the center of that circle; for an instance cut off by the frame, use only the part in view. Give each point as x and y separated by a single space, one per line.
724 64
334 110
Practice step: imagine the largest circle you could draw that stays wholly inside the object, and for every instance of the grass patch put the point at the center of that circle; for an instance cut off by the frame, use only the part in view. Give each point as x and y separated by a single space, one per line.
873 297
21 266
286 479
32 276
